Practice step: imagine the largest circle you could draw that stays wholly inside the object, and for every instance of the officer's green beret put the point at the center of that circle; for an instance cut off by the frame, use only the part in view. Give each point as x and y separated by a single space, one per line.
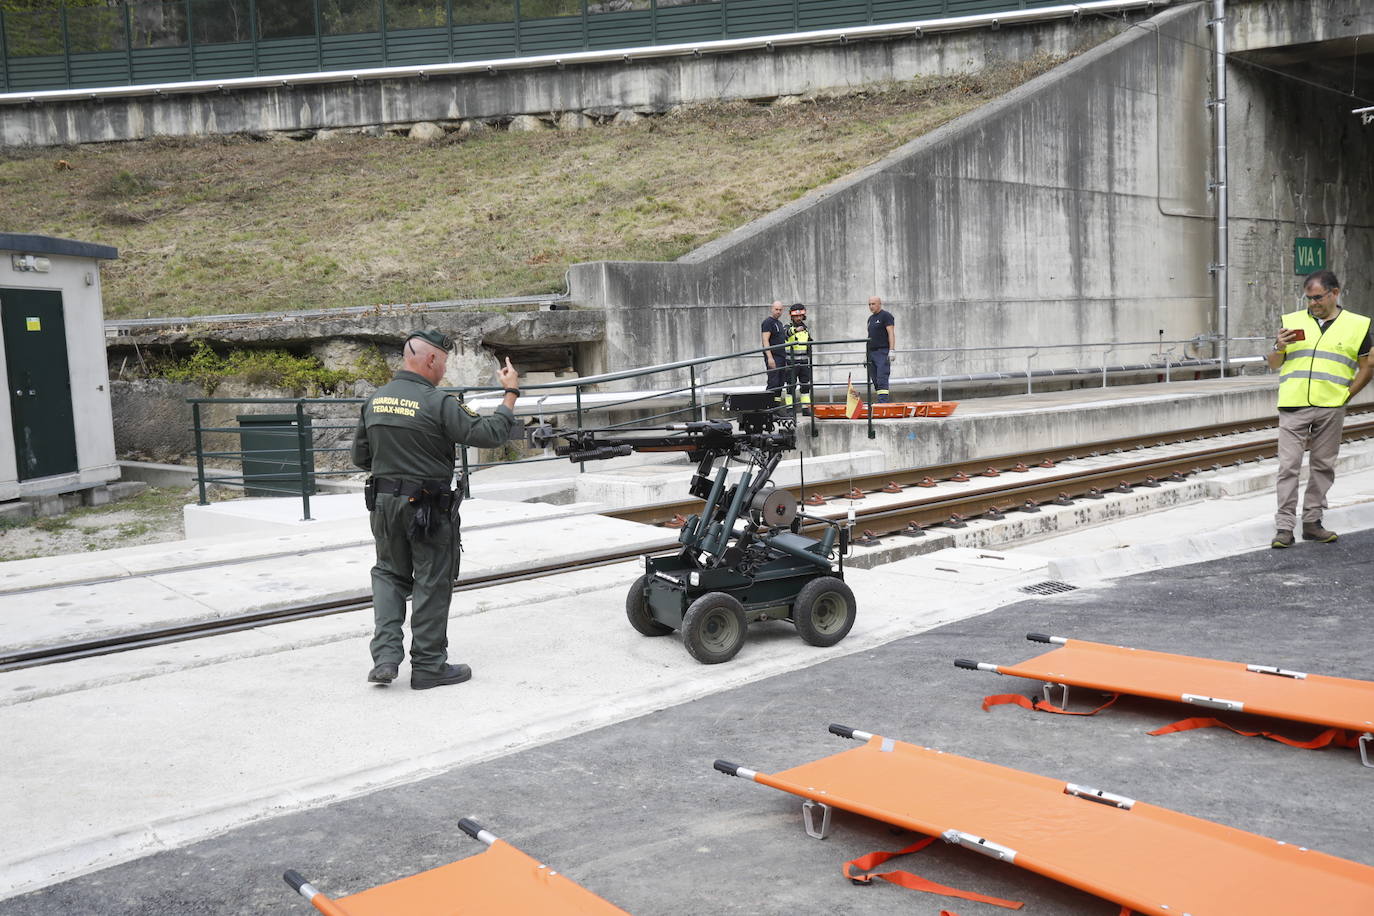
442 341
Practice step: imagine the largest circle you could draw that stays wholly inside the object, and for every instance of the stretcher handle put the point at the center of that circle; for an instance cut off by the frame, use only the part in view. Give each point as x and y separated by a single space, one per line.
966 663
728 768
318 900
845 731
1045 637
476 831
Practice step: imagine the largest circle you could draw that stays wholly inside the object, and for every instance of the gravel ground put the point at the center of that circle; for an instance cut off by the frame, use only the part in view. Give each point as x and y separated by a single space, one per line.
151 517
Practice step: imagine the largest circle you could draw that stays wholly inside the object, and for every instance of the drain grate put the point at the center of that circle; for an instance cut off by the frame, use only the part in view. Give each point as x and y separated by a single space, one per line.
1048 588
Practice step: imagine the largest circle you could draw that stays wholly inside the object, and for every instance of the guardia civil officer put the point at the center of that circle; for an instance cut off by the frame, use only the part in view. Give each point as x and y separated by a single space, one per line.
405 437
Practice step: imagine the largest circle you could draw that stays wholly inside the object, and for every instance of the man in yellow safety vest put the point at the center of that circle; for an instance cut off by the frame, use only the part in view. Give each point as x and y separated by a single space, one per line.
1323 357
798 352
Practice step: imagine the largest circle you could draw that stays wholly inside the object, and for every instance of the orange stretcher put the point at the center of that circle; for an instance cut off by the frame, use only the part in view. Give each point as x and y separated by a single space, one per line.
1145 858
500 880
1344 706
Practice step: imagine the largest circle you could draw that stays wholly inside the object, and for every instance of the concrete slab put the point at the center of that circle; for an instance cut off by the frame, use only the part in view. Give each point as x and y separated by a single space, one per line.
94 788
172 597
985 427
610 806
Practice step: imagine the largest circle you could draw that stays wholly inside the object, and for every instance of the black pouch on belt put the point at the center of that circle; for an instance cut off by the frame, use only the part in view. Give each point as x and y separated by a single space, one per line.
370 494
429 499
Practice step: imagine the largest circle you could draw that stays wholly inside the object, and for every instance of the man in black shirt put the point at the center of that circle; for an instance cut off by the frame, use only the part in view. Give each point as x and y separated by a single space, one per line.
772 336
882 340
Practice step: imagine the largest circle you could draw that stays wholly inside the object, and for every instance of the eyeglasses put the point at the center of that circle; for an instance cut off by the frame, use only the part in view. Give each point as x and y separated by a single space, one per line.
1318 297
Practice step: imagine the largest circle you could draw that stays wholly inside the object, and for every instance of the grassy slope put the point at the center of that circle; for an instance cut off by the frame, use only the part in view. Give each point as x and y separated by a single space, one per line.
230 224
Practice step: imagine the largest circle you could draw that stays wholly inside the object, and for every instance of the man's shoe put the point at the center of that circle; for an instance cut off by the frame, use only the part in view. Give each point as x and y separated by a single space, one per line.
383 674
451 674
1282 538
1315 532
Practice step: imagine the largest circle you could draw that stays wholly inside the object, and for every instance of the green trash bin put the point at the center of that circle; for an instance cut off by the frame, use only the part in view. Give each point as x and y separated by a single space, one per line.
272 455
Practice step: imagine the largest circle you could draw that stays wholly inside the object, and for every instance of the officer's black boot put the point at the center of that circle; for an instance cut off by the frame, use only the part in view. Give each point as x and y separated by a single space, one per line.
384 673
451 674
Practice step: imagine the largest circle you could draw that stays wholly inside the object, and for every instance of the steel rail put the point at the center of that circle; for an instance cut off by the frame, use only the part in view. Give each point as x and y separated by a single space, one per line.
895 480
1062 489
909 517
47 655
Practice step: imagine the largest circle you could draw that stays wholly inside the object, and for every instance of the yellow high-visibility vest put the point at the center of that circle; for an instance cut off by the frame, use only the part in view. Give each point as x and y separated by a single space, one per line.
1318 370
798 340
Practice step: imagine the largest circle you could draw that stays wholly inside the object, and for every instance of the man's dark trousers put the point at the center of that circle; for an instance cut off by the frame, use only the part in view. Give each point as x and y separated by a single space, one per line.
433 557
777 376
880 367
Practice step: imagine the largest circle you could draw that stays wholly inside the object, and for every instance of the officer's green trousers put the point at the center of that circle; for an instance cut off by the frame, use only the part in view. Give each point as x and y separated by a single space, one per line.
424 568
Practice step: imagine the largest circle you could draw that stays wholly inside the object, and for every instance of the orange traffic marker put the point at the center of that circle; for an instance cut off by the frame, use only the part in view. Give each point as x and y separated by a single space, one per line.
502 880
1145 858
1345 706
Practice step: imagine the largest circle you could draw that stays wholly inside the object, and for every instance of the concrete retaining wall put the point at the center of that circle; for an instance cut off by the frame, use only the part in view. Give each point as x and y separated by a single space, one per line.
1073 209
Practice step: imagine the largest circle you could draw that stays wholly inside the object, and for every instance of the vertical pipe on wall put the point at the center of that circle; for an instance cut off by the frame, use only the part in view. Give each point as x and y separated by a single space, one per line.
1219 272
4 55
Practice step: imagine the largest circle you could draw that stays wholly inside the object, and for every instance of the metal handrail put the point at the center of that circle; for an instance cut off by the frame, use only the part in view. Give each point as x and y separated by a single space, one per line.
701 393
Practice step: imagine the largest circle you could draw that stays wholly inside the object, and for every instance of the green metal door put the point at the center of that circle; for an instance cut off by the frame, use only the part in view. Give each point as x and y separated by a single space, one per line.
40 386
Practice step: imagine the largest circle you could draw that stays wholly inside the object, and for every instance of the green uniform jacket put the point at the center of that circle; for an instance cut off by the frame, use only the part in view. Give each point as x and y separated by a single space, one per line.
408 429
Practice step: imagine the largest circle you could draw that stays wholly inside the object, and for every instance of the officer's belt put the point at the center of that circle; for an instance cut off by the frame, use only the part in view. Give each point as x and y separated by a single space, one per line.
387 486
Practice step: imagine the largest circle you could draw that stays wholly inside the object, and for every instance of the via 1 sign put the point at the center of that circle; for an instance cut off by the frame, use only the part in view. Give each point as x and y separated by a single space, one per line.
1308 255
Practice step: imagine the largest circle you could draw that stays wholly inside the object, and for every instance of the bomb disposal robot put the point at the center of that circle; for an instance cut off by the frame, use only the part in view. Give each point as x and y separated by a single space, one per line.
744 558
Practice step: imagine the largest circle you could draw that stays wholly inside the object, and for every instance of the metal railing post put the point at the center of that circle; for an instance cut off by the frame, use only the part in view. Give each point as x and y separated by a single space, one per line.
1105 353
4 54
448 25
868 395
811 373
382 23
319 36
190 38
577 392
253 34
1029 358
303 449
66 46
200 454
698 411
129 40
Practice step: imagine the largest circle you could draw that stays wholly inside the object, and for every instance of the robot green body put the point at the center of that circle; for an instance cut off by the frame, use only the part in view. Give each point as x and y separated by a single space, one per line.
744 557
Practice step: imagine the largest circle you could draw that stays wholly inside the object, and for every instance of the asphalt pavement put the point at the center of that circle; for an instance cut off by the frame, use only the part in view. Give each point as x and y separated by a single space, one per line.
635 812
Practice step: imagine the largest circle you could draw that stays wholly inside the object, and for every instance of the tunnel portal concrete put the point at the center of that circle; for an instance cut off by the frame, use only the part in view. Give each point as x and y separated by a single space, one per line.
1077 208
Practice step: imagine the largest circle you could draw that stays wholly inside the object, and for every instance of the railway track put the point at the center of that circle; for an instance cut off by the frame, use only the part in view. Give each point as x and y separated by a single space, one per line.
996 487
891 481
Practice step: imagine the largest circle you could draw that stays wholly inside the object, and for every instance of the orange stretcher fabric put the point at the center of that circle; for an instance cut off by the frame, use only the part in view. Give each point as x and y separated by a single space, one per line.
1331 701
1149 859
502 880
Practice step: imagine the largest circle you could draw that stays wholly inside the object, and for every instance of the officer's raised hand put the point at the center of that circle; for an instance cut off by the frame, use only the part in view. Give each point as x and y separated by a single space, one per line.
510 380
